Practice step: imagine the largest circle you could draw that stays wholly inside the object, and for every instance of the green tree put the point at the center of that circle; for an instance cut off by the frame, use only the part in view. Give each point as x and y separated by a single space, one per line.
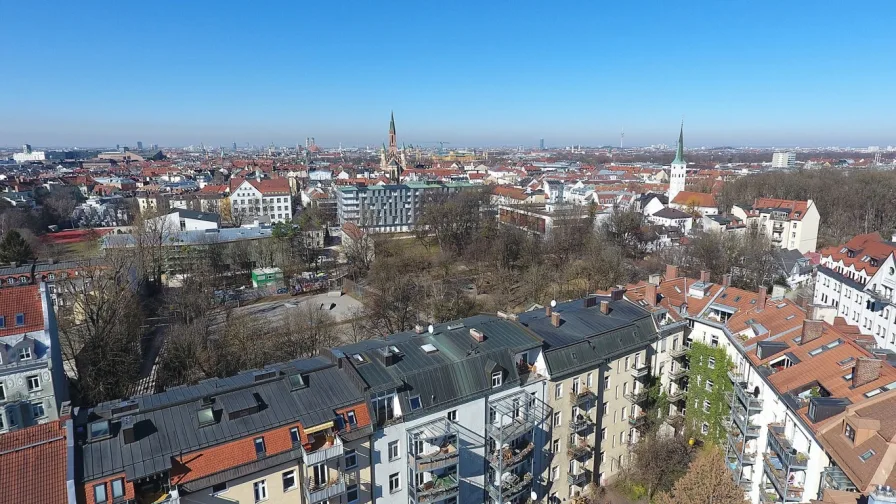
14 248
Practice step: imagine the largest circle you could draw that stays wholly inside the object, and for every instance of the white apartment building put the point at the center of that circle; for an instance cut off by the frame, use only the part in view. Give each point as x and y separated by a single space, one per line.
783 160
389 208
789 224
858 280
255 198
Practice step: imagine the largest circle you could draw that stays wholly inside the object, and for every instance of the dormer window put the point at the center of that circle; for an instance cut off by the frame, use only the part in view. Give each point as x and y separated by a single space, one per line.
351 418
20 319
99 430
25 353
849 432
2 321
415 403
497 379
206 416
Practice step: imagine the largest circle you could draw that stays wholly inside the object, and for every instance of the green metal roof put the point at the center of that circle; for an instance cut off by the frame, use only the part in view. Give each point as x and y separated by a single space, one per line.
679 154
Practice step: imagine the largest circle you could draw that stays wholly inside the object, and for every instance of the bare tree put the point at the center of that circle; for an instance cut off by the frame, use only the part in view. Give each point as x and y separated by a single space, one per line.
707 481
659 461
62 203
306 329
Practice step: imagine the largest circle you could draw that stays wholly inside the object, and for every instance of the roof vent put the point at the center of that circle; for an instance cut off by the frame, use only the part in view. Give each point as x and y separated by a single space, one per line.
124 407
452 327
477 335
127 429
264 375
429 348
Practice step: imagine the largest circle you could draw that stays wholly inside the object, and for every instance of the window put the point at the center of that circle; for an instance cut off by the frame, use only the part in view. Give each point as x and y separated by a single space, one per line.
351 418
606 383
393 450
706 406
98 429
496 379
452 415
2 321
704 429
867 455
219 488
206 417
626 364
2 392
261 490
492 415
394 483
99 493
259 446
289 480
588 380
33 383
24 353
37 410
20 319
558 391
603 434
294 435
555 473
850 433
351 493
416 404
606 408
557 419
709 385
351 459
118 488
712 363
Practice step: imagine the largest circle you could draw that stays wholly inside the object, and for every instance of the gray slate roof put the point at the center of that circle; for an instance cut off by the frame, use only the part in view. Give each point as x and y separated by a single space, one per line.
167 424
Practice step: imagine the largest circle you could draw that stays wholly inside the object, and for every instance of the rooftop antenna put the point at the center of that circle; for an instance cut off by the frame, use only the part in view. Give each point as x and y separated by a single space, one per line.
621 137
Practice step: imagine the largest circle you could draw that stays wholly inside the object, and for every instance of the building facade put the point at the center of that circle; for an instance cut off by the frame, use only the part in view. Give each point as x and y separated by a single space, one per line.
782 160
789 224
389 208
256 198
678 170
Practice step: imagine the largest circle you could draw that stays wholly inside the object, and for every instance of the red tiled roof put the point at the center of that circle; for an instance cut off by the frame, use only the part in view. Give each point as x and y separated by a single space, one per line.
696 199
797 208
214 189
33 462
73 236
23 299
870 246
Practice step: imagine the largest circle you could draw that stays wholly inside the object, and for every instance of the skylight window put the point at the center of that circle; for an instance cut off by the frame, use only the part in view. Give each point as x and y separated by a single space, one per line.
415 403
847 377
846 361
790 317
429 348
737 298
206 417
100 429
359 358
816 351
781 305
867 455
873 392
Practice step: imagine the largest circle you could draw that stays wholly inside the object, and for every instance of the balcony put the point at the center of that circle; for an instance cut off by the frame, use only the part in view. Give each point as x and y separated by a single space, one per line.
745 484
579 450
679 373
637 397
321 447
769 495
637 420
324 491
677 353
737 377
781 446
583 426
583 396
833 477
777 474
678 395
736 447
444 457
512 486
752 404
508 458
745 427
640 370
581 479
437 490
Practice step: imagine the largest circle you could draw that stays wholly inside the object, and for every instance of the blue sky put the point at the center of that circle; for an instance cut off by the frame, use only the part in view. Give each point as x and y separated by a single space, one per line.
471 73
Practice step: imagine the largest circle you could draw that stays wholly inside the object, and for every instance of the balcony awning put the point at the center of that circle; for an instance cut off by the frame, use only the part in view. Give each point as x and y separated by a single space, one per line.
318 428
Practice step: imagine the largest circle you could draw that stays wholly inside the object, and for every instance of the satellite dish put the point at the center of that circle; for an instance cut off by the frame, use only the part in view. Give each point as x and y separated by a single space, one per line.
553 303
430 328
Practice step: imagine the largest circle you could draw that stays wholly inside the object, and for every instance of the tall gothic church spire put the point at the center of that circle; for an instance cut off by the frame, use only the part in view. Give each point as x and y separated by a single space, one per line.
679 154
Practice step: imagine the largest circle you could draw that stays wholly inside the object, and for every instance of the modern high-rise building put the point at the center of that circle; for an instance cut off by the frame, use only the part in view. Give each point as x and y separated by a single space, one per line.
783 160
139 145
679 168
234 146
541 144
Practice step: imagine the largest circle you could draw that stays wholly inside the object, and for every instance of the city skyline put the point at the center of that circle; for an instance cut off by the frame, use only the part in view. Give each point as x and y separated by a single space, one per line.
472 75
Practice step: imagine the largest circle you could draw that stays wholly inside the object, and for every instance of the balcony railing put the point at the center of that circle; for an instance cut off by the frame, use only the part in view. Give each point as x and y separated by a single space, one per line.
322 449
585 425
445 457
510 487
677 353
507 458
678 395
768 495
782 447
679 373
637 420
640 370
736 377
736 447
752 404
637 397
437 490
581 479
581 397
778 477
745 427
835 478
324 491
578 450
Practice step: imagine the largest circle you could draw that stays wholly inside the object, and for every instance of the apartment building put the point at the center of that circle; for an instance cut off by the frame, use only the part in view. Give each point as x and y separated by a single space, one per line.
789 224
294 432
782 160
459 412
33 385
389 208
255 198
858 280
597 353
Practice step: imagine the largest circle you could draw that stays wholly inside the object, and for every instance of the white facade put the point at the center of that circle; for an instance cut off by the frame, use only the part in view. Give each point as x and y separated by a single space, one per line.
24 157
248 200
677 178
785 232
783 160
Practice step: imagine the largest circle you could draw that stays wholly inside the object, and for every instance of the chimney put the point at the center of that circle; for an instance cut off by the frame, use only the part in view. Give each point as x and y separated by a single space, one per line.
555 319
654 279
127 429
418 328
616 294
477 335
671 272
589 302
726 280
865 371
704 276
548 310
763 292
812 330
650 294
605 307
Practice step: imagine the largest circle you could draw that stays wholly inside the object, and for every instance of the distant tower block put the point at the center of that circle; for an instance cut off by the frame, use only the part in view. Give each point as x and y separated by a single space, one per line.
679 169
